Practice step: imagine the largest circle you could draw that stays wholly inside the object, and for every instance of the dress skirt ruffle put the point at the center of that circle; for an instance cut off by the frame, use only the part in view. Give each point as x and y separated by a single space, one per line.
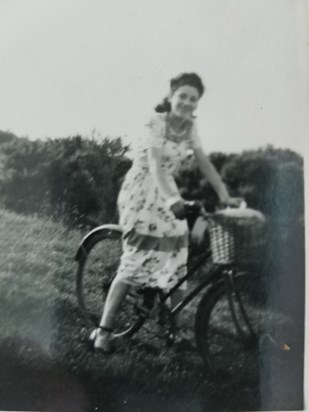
155 243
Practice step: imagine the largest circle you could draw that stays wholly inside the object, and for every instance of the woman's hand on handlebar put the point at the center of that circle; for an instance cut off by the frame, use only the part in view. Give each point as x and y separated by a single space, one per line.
181 208
178 208
234 202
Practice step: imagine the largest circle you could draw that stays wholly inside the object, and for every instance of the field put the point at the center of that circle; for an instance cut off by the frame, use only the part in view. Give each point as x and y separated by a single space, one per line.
47 365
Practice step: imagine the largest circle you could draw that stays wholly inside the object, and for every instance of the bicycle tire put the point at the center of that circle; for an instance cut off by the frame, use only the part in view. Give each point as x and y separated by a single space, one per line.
97 267
232 344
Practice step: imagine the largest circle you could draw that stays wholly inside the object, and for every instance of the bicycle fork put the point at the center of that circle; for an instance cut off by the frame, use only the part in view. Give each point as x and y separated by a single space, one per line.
246 333
240 316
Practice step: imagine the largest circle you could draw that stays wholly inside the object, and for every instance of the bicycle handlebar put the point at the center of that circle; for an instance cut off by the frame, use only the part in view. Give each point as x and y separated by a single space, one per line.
195 207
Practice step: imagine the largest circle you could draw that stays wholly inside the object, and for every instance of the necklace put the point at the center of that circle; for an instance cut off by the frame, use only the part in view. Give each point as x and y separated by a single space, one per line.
181 130
179 133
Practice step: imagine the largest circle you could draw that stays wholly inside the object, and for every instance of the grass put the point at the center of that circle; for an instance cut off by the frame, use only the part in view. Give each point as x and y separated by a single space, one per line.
44 357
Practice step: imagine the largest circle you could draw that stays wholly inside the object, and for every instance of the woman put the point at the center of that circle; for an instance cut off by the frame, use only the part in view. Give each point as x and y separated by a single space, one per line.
155 240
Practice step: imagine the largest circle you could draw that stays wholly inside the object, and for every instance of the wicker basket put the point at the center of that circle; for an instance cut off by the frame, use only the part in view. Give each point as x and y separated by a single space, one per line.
237 236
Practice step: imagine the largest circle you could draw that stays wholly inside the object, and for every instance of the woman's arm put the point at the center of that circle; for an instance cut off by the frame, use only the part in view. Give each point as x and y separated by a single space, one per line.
156 132
209 171
154 161
174 202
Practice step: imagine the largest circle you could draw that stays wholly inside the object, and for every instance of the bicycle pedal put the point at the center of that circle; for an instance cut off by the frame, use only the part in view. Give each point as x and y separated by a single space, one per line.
142 310
170 340
132 298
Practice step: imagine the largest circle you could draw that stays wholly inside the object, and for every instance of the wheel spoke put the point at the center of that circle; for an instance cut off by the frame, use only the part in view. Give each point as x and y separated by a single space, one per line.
230 326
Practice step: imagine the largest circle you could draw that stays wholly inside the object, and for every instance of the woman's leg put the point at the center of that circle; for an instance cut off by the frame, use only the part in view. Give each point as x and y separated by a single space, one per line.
176 298
115 297
183 337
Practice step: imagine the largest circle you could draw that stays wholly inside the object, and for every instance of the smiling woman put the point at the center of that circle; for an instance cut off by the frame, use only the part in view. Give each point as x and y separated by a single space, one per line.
185 93
184 101
152 212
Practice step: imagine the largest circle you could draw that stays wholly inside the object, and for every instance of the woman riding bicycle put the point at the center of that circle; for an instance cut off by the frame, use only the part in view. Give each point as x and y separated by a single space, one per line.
155 233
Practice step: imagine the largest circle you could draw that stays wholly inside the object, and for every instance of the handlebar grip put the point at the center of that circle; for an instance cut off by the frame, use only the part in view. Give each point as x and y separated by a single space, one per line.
192 206
242 205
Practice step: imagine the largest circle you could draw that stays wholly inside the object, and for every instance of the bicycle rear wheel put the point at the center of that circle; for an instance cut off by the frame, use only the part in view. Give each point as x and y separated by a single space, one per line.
97 267
233 324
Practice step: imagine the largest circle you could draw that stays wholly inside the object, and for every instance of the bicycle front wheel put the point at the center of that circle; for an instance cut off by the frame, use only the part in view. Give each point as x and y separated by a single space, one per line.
97 267
233 323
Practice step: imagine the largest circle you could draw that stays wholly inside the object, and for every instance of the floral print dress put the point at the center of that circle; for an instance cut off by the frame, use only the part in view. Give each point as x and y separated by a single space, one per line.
155 242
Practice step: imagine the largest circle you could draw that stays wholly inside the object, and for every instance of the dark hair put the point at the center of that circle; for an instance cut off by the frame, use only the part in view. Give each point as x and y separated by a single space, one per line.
184 79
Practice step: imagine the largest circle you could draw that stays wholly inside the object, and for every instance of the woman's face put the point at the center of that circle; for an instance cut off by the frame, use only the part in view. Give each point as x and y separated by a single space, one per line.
184 101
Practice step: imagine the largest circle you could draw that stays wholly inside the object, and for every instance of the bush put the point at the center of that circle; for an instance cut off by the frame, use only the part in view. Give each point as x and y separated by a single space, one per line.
79 179
270 180
75 178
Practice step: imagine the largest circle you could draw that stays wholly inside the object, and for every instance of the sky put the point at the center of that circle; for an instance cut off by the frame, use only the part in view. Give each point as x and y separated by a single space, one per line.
98 67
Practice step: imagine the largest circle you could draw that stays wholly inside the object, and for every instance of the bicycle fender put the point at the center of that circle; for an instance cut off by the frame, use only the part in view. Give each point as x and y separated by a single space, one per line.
92 237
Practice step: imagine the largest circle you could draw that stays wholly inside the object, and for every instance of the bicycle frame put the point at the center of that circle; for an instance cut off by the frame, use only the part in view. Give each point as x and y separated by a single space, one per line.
211 277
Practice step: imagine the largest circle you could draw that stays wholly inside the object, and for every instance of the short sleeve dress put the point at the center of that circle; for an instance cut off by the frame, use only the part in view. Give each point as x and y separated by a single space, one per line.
155 242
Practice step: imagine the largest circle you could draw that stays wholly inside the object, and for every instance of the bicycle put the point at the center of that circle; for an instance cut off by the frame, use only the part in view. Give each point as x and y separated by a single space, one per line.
232 319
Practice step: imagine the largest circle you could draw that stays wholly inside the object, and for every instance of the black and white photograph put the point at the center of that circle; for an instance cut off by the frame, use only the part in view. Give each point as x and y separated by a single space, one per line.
152 205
